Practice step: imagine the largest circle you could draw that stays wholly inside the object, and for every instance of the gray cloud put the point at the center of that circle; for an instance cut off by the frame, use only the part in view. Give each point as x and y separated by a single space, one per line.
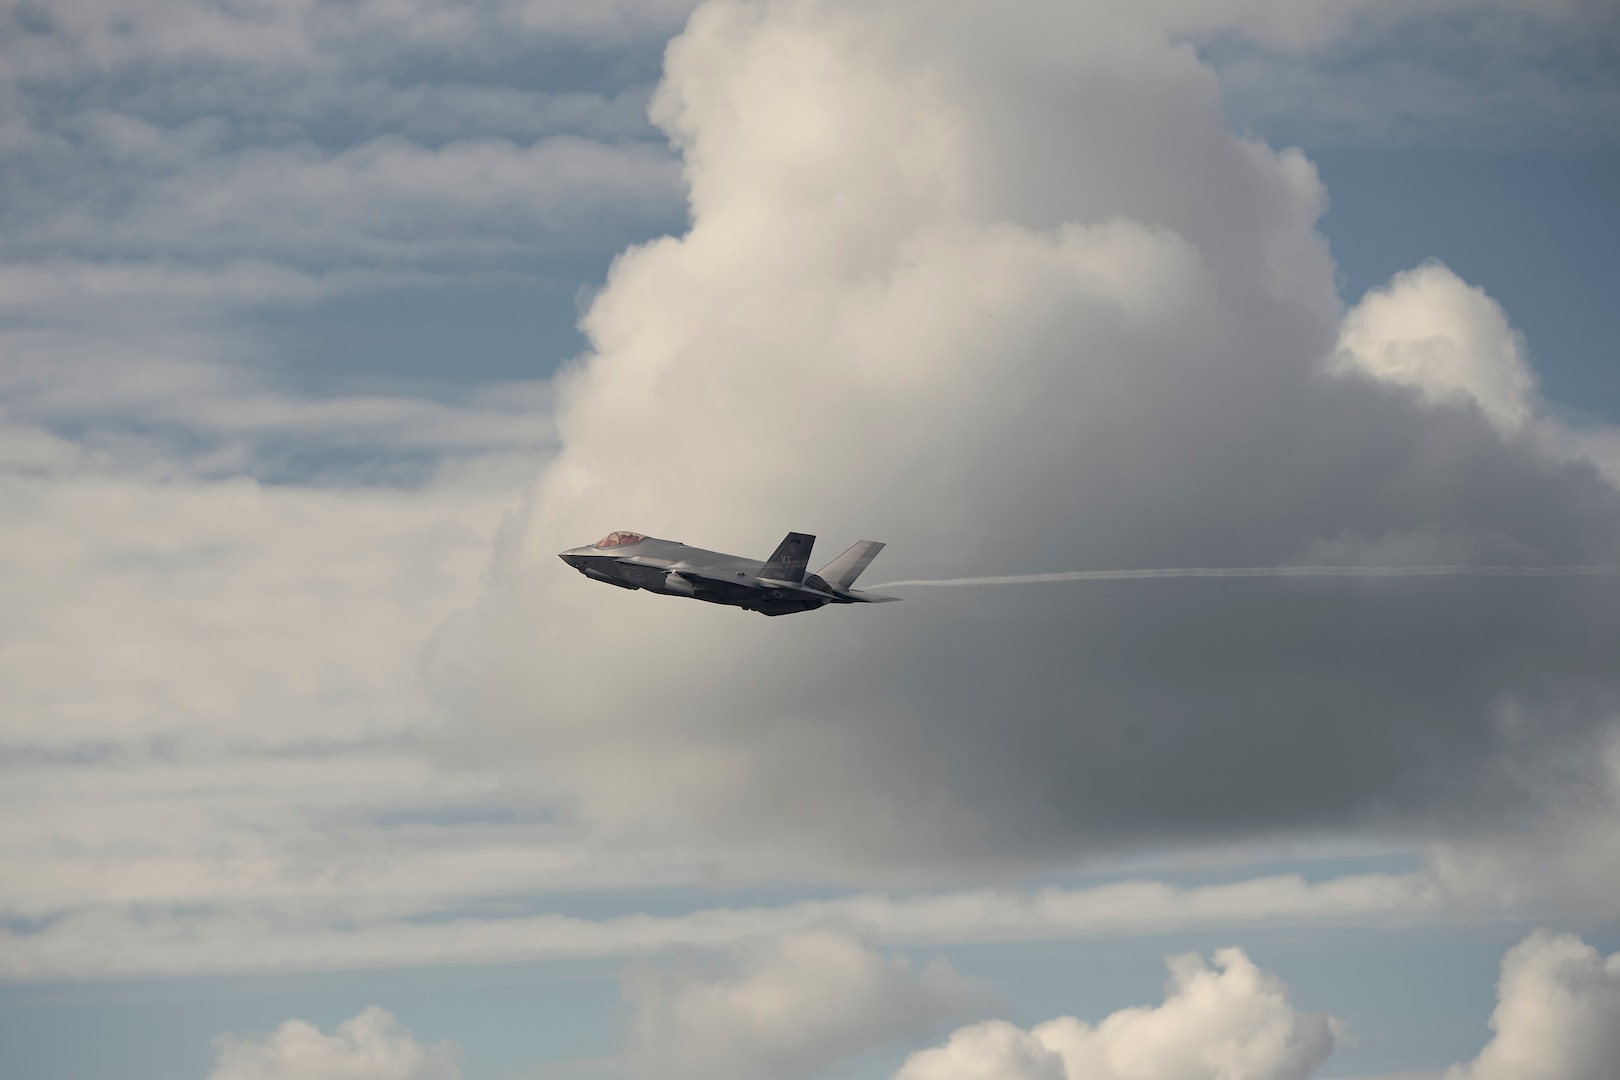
68 36
145 192
1440 72
1016 302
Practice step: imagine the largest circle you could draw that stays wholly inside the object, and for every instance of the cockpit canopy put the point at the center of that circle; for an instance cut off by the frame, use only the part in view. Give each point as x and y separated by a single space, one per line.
619 539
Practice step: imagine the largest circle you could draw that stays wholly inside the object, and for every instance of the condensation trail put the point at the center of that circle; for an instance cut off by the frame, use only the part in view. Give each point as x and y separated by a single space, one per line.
1270 572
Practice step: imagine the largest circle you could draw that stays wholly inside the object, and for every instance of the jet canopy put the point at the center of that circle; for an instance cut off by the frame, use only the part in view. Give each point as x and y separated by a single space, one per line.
619 539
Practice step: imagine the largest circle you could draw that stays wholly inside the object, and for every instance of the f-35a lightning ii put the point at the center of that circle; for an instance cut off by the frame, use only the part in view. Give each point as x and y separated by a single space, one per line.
777 586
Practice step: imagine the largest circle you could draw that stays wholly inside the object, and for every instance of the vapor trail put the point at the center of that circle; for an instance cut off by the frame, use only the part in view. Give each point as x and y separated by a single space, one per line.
1270 572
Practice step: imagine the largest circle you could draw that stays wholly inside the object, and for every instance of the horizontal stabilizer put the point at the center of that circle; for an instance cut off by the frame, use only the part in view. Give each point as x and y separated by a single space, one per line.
870 597
842 571
788 561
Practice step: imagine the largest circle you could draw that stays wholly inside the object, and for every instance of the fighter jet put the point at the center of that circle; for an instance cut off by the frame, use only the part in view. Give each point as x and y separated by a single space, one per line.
777 586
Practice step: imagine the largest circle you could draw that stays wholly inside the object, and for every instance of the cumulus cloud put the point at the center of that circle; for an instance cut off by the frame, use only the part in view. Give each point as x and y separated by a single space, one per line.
785 1007
1431 331
1004 292
797 1004
371 1046
1557 1015
1229 1022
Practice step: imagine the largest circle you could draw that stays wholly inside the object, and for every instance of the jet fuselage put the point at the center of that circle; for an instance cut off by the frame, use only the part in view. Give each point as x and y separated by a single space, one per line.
776 586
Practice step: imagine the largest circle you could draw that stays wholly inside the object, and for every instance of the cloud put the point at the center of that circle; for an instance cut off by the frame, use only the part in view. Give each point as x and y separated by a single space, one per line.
213 686
346 896
178 170
1439 72
1431 331
1007 294
796 1004
785 1007
189 606
50 43
371 1046
1557 1014
141 191
1003 291
1230 1022
1566 861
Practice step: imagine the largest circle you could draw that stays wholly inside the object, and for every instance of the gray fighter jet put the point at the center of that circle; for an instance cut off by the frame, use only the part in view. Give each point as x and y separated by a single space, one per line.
777 586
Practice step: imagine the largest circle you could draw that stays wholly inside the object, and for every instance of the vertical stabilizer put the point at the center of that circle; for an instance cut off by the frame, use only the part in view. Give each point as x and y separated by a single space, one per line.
789 560
843 571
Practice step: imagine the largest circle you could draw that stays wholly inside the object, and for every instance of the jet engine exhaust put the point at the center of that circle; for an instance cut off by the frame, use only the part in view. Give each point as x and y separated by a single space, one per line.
1267 572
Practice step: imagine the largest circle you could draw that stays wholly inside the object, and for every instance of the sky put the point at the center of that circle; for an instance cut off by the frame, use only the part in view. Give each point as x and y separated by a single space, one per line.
324 326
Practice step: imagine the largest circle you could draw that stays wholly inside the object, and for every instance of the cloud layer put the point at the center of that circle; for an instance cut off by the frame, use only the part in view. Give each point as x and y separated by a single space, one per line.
1004 292
273 907
182 175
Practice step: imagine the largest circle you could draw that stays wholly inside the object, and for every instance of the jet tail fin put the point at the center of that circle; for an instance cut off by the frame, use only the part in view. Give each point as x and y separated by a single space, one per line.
788 561
842 571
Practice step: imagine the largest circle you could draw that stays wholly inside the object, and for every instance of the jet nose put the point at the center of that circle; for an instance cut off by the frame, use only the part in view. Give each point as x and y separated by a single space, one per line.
575 557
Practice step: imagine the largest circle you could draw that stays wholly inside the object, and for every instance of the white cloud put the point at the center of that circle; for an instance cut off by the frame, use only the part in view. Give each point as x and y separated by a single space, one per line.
370 1046
1431 331
1230 1022
784 1007
1003 291
341 896
1557 1015
798 1003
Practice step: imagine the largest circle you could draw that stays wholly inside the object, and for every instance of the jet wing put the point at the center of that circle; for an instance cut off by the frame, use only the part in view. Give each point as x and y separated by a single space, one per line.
741 583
